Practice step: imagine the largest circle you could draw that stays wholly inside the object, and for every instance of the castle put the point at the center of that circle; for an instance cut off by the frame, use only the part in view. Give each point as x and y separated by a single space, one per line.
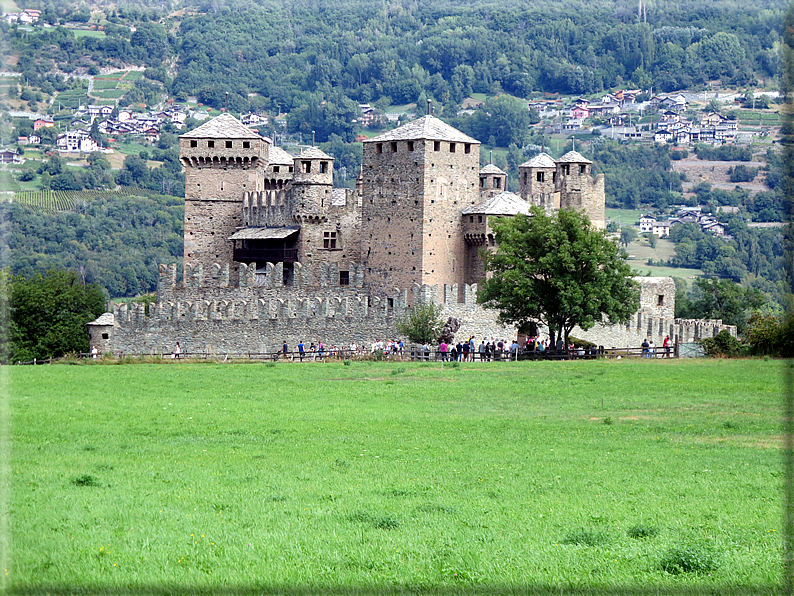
273 252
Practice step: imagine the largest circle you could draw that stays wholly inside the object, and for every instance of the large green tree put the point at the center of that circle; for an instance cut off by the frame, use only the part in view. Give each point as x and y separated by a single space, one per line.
49 313
559 270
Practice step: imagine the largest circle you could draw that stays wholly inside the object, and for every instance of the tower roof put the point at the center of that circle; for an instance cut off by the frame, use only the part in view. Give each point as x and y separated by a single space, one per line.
313 153
491 169
224 126
541 160
506 203
426 127
573 157
279 157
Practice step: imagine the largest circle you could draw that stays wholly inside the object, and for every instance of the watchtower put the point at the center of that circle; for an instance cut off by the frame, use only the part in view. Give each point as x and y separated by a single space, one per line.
536 182
493 181
578 189
416 180
222 160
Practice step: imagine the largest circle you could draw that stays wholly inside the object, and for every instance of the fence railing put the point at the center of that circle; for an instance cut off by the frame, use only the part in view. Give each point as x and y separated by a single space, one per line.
412 354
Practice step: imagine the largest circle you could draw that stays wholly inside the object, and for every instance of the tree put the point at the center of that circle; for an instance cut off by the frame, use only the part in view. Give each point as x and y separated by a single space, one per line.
422 324
49 314
723 299
627 236
559 270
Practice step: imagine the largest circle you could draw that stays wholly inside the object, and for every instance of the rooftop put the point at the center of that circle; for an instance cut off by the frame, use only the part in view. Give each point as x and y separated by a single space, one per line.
541 160
314 153
426 127
279 157
573 157
491 169
506 203
224 126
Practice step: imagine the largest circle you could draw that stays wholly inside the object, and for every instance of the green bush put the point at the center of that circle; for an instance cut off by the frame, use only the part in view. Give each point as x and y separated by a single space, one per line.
723 344
689 558
585 537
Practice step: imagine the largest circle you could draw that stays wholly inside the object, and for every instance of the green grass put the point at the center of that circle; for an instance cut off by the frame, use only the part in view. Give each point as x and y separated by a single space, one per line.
105 84
323 478
133 75
87 33
625 217
133 148
109 93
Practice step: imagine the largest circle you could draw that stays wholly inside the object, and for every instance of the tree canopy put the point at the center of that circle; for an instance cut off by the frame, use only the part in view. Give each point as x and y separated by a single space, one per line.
559 270
49 314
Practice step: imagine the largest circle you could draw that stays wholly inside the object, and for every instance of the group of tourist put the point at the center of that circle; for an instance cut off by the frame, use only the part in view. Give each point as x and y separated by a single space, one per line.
649 349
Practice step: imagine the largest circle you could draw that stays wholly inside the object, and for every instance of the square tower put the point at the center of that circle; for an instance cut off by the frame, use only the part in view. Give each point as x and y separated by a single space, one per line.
416 181
222 160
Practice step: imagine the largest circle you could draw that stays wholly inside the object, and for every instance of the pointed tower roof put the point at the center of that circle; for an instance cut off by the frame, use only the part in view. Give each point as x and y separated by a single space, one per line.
541 160
426 127
224 126
491 169
573 157
313 153
279 157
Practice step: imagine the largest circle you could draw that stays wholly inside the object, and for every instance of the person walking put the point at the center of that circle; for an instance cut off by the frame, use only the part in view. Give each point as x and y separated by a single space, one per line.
301 350
177 351
285 349
442 347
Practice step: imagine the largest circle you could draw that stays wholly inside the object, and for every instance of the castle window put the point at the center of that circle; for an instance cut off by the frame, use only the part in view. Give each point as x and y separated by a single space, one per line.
323 167
276 169
582 169
390 302
660 300
540 176
105 336
290 169
554 176
471 219
497 183
307 167
566 169
410 145
211 144
393 147
344 278
436 145
194 143
452 147
467 148
379 147
329 240
228 144
246 144
482 182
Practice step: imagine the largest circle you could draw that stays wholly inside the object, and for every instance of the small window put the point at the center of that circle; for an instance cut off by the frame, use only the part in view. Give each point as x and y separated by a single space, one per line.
467 148
566 169
660 300
105 336
228 144
554 176
410 145
471 219
307 167
541 176
323 167
497 183
379 147
193 143
393 147
479 219
390 302
290 169
482 182
276 169
582 169
452 147
344 278
436 145
211 144
246 144
329 240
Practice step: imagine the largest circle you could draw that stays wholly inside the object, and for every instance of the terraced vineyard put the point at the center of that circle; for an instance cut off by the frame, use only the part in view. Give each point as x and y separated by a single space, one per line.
51 201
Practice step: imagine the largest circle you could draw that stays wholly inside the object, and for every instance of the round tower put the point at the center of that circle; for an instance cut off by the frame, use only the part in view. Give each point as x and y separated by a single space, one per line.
578 189
493 181
312 183
537 181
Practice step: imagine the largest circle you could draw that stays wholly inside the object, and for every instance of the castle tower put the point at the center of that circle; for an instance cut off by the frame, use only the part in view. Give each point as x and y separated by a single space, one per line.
493 181
416 180
537 180
578 189
222 160
311 200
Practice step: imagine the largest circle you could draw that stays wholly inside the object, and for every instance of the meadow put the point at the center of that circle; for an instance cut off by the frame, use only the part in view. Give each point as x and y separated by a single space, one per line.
589 477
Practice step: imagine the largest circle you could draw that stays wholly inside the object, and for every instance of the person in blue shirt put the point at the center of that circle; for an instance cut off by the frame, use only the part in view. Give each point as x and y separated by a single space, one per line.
301 350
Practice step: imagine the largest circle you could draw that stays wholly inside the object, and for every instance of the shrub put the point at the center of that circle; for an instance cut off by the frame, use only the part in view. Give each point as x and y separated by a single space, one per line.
86 480
723 344
689 558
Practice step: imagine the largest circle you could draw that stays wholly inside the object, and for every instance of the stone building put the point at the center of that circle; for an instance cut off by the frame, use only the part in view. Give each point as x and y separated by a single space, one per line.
273 252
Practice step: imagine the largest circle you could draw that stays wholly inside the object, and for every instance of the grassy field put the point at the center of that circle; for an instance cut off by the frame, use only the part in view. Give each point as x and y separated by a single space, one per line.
396 478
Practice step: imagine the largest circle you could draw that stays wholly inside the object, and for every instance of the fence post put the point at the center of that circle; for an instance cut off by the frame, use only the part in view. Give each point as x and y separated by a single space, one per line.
676 353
